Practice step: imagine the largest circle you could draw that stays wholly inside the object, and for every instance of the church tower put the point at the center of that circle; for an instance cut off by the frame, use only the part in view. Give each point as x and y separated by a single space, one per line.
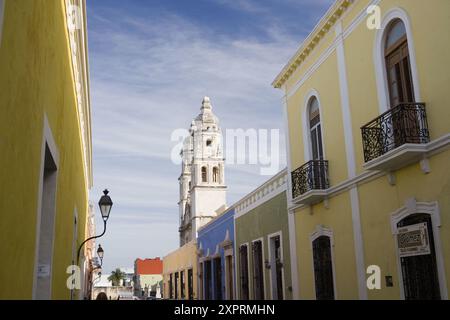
202 180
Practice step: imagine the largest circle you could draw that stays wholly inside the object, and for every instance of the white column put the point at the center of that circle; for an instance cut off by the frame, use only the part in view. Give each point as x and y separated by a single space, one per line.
351 164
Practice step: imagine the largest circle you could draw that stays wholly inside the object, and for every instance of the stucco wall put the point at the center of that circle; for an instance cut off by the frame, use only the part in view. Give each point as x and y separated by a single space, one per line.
36 81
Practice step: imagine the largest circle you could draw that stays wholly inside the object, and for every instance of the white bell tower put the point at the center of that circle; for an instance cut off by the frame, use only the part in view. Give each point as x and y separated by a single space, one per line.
202 180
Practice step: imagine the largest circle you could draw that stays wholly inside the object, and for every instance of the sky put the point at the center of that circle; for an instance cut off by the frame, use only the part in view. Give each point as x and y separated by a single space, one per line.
151 64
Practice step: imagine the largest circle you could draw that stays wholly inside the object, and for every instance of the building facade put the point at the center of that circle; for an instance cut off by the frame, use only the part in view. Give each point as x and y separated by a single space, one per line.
366 107
262 243
180 273
202 180
45 145
216 258
148 276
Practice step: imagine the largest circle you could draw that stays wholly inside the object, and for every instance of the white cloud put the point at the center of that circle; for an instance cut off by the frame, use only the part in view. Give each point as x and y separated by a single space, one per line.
148 79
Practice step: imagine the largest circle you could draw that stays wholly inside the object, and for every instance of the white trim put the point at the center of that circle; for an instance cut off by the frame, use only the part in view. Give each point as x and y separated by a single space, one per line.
2 12
291 217
306 125
263 266
351 163
319 232
345 103
328 51
269 243
408 154
432 208
359 244
262 194
434 147
380 62
322 58
47 140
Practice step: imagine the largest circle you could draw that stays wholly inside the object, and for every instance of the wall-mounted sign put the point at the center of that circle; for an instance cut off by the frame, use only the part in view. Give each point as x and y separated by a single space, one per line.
43 271
413 240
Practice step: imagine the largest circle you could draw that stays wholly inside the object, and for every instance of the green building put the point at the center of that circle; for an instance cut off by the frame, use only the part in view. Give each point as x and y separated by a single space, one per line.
262 243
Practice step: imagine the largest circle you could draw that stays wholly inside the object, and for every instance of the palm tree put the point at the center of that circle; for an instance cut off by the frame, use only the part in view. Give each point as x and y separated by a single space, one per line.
116 276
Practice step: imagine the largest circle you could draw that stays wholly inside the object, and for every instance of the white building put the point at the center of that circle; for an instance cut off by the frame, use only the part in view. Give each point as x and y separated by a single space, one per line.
202 180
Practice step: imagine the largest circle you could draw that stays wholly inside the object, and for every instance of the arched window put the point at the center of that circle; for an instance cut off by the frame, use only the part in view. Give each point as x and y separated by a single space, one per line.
204 174
215 175
315 129
398 66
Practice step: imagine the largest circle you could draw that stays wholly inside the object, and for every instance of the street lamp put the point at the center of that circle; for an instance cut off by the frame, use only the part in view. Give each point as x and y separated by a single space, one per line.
105 205
100 253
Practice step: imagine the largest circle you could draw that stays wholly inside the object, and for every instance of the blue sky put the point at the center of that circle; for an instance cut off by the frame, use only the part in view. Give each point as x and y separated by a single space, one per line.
151 63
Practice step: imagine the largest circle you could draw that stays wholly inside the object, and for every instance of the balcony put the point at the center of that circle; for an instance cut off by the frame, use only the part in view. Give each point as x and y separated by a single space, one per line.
396 138
310 182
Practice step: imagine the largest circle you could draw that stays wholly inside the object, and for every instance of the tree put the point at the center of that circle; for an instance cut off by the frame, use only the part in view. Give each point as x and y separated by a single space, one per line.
116 277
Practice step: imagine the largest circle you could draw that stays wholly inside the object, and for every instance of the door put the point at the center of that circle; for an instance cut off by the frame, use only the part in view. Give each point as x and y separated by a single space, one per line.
419 272
190 285
207 281
404 124
323 268
243 261
258 277
276 268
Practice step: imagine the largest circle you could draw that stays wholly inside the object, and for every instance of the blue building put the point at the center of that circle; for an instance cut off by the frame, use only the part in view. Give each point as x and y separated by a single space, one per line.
216 258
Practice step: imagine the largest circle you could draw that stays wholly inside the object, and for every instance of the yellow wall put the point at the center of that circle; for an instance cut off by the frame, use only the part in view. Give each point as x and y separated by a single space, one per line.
183 259
376 198
36 80
338 219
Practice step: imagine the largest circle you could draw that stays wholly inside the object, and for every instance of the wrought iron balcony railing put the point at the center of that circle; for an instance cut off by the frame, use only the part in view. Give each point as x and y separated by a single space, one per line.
311 176
406 123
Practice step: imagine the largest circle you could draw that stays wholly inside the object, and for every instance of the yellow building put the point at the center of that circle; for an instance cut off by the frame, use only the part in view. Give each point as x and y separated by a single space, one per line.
180 276
45 145
367 110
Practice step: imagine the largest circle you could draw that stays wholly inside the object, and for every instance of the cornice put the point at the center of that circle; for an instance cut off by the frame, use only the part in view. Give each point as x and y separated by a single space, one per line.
77 34
314 38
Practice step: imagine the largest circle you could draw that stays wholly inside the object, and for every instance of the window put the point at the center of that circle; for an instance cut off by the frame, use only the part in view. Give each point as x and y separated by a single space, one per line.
215 175
217 279
182 285
209 142
46 226
190 285
176 285
243 262
276 268
398 67
207 281
419 272
170 286
258 271
229 276
204 174
315 129
323 268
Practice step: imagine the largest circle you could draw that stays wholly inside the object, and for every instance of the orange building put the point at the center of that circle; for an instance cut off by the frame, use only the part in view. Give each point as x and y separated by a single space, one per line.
148 277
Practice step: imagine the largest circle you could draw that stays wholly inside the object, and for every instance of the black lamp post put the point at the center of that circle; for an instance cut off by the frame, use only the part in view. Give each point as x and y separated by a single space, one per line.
105 205
100 253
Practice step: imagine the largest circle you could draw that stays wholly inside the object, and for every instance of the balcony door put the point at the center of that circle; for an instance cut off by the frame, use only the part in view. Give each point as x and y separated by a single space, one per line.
315 130
401 90
398 66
